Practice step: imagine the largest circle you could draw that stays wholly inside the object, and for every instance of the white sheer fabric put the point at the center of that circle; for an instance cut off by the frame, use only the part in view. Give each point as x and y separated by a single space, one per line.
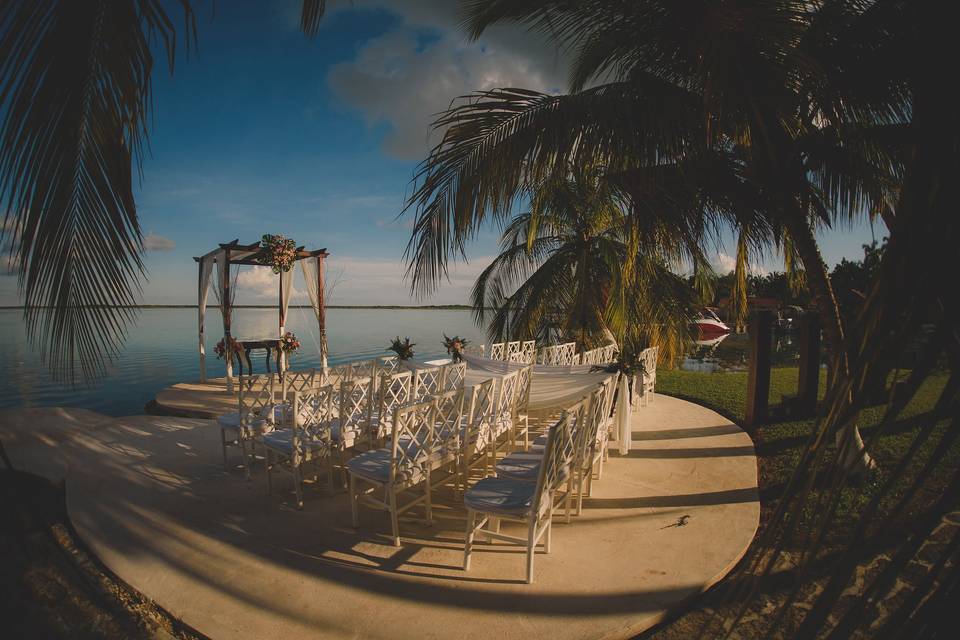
286 287
501 366
554 388
203 290
223 269
309 268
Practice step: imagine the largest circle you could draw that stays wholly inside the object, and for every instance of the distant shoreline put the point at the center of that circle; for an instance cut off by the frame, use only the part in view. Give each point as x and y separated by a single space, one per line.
441 307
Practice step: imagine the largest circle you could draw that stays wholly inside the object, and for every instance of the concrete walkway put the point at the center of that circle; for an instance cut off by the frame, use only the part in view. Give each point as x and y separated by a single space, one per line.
149 495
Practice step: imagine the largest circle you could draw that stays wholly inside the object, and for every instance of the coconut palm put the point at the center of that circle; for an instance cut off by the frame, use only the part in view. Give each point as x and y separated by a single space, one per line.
775 115
74 98
560 274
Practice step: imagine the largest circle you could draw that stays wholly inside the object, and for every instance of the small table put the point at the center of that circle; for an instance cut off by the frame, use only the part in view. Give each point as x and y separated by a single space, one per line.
267 344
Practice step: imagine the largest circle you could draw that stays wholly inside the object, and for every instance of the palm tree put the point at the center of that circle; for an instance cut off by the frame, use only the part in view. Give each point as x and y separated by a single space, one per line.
775 116
74 98
560 274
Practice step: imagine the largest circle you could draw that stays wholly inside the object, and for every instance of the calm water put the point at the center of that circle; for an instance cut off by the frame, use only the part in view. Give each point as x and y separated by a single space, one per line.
162 350
732 352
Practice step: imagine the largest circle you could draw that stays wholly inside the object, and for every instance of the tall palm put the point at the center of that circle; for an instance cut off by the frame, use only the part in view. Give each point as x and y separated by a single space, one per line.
774 112
74 97
561 274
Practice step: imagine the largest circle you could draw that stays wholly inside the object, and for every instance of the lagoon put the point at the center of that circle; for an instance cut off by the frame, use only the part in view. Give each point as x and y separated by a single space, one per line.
161 349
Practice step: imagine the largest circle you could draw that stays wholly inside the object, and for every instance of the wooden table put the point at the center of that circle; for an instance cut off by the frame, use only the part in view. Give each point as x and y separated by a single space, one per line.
253 344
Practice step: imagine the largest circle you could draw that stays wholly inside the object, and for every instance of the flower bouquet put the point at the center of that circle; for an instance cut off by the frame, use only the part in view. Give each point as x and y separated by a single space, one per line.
222 352
455 347
279 252
403 348
289 343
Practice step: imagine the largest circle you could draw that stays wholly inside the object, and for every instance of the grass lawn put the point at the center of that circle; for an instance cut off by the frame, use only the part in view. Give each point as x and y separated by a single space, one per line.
779 446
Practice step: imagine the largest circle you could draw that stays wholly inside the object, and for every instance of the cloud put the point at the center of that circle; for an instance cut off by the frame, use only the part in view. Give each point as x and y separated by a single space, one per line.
155 242
724 263
262 285
381 281
412 72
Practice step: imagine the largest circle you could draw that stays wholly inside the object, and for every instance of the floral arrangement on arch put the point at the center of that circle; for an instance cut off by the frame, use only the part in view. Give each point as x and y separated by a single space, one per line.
279 252
403 348
289 343
455 346
221 349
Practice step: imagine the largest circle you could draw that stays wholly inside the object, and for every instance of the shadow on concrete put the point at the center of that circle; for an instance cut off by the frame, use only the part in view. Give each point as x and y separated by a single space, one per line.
691 452
154 490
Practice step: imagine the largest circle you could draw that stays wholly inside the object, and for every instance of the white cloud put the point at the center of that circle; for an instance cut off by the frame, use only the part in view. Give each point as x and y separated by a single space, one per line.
724 263
261 285
155 242
399 80
375 281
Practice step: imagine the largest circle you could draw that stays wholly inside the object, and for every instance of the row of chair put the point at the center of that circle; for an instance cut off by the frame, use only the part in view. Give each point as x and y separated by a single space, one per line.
408 430
528 486
556 355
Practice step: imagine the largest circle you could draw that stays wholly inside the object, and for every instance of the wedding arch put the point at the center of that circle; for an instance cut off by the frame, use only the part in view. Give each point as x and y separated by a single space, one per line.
262 253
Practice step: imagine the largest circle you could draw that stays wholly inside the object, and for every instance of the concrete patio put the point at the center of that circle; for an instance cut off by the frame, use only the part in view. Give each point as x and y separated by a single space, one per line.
151 498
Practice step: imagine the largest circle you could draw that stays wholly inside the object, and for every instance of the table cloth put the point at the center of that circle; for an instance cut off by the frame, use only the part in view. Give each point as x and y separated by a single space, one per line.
552 388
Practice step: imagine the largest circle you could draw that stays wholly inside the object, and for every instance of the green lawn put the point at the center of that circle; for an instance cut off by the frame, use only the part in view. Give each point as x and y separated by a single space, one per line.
780 444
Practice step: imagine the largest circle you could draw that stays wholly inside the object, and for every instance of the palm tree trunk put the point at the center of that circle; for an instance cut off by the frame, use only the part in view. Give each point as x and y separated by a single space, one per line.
853 453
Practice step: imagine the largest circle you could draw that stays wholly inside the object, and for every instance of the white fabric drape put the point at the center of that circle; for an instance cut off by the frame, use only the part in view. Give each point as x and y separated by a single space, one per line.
501 366
223 269
286 282
309 268
286 286
622 416
203 290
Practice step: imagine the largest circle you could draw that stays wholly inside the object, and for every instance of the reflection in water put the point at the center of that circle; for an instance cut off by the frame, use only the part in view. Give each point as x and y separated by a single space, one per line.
162 350
731 352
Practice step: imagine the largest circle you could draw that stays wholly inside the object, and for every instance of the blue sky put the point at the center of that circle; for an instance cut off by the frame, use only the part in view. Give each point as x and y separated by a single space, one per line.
260 131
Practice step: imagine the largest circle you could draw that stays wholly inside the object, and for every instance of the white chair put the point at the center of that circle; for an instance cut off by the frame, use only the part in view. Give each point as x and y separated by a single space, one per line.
514 352
498 351
256 414
608 353
297 381
530 351
645 381
505 409
478 428
525 466
558 355
352 424
454 376
395 390
308 441
427 380
389 364
496 499
418 446
521 417
605 423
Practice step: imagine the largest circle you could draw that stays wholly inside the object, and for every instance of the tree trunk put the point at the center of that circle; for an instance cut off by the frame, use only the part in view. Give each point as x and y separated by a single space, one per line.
853 455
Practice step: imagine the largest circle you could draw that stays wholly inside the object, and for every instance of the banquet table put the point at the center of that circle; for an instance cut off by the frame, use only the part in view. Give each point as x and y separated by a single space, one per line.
552 388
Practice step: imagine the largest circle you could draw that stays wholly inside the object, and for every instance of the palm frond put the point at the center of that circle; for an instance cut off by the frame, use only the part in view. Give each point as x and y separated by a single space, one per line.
75 95
498 144
311 16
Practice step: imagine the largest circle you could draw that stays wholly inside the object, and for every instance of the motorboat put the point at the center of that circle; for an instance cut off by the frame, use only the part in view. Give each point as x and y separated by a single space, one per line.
709 326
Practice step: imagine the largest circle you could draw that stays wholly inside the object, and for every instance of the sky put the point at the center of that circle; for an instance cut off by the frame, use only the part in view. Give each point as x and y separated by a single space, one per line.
261 130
